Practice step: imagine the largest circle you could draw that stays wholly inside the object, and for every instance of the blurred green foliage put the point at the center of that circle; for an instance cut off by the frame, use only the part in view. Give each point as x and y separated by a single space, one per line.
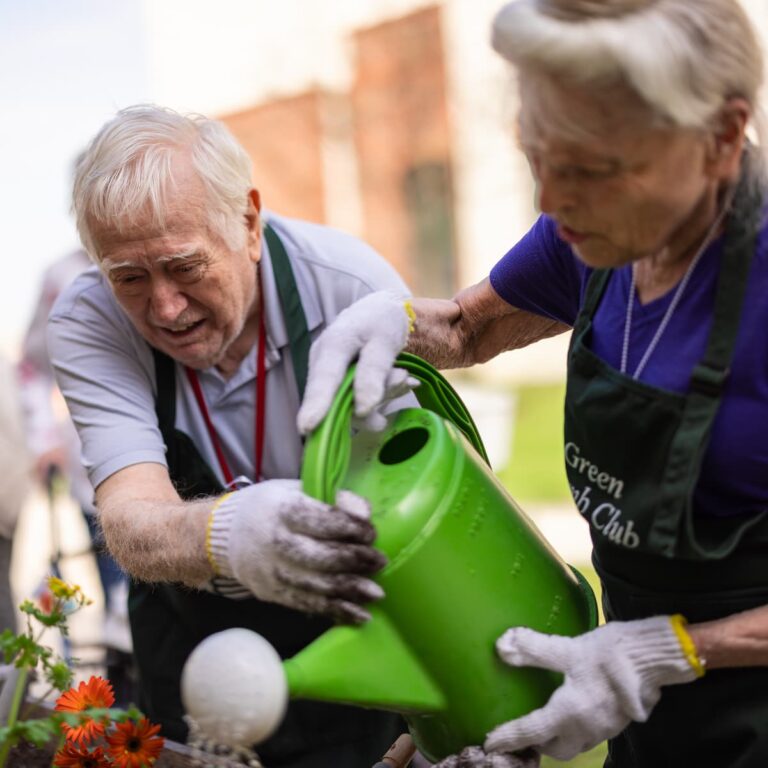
592 759
535 471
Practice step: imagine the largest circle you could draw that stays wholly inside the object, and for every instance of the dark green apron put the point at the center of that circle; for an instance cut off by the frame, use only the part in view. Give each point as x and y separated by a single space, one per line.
168 621
633 457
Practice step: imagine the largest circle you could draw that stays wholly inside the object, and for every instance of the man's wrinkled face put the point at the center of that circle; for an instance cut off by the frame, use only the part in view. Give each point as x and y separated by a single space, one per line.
619 186
187 291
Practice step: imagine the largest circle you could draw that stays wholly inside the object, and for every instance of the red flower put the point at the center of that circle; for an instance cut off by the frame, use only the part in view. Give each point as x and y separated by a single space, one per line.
70 757
97 692
135 745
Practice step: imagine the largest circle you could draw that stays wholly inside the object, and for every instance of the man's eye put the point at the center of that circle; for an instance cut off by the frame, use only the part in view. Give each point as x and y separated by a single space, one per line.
189 270
126 279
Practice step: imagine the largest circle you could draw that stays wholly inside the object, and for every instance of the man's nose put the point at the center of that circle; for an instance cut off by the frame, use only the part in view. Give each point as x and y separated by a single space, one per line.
167 302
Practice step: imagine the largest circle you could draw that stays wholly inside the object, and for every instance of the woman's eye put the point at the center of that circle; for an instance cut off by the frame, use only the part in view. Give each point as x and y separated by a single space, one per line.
594 173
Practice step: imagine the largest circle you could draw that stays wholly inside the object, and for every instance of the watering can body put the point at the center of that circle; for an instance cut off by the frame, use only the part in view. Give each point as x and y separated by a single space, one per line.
464 565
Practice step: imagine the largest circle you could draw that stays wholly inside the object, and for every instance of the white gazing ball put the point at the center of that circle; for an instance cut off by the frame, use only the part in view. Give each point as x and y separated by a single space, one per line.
234 687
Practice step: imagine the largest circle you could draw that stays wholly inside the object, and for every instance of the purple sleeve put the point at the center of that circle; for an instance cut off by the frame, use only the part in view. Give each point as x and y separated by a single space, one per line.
541 274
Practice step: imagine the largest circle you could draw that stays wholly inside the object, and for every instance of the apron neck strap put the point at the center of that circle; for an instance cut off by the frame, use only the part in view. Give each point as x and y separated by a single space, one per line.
742 227
299 340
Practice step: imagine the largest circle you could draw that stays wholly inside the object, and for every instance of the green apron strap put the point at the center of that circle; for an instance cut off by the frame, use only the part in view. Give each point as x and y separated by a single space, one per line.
598 281
293 312
708 381
165 404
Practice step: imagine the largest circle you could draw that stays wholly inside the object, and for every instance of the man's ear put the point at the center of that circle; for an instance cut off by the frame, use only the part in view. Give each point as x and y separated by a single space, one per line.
253 223
728 137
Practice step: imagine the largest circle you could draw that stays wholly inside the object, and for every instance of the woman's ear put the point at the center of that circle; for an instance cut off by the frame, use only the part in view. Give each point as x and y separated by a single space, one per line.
728 137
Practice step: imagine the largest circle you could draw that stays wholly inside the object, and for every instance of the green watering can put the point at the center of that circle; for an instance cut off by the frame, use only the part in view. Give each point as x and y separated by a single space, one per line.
465 564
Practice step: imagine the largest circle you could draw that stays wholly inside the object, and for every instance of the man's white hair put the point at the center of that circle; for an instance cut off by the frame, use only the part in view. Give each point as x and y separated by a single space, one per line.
126 172
684 58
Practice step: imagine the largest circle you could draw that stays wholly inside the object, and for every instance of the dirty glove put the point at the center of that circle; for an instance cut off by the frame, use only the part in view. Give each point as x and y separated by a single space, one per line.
373 330
289 548
613 675
475 757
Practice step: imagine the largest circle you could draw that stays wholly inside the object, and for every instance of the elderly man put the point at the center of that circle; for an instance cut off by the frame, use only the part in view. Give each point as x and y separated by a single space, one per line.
182 356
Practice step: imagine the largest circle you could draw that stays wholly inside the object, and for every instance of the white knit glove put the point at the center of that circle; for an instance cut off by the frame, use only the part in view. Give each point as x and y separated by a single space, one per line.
373 330
613 675
289 548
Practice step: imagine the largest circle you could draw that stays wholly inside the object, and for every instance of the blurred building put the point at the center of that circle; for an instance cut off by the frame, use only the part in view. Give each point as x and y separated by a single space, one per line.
391 119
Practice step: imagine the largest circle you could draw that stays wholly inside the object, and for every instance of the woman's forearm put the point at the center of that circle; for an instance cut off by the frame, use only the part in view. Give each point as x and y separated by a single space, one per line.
739 640
474 327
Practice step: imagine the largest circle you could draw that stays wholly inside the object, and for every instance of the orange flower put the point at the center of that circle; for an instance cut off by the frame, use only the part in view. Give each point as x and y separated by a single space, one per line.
97 692
134 745
70 757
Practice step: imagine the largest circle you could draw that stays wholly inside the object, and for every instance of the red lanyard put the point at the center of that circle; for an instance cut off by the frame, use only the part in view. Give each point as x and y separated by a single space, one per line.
261 401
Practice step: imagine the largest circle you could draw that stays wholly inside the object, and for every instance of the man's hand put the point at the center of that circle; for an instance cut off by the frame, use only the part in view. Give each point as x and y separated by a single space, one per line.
613 675
289 548
374 331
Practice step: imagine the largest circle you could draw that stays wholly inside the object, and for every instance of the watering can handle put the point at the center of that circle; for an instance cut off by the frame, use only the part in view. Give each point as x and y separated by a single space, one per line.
326 453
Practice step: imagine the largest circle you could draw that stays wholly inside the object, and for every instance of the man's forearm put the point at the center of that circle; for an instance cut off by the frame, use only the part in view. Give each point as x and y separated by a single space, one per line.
158 540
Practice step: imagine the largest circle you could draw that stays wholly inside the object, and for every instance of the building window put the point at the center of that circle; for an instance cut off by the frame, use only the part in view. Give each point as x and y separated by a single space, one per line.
432 249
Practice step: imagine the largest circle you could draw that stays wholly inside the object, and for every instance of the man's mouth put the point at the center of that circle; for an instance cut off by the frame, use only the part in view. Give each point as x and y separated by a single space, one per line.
182 331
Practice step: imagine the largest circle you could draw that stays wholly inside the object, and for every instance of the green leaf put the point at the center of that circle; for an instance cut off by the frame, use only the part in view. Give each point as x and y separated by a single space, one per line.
56 618
5 736
59 675
38 732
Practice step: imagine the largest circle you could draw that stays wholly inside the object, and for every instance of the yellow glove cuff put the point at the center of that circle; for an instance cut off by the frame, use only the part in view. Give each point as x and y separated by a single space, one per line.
208 530
409 310
679 624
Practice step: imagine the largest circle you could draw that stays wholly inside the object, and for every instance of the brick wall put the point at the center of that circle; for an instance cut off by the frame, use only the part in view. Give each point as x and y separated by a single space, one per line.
283 138
401 125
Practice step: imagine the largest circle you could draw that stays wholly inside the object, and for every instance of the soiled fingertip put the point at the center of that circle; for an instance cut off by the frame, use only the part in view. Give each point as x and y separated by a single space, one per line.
350 613
355 505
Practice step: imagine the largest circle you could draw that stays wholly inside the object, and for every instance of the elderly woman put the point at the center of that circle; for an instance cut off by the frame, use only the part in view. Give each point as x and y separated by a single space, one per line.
652 246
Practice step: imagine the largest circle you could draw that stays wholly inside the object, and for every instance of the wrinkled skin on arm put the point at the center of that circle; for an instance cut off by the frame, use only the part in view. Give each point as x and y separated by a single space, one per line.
150 531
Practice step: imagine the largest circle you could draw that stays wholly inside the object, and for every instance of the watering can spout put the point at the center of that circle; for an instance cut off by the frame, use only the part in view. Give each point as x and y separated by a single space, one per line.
356 665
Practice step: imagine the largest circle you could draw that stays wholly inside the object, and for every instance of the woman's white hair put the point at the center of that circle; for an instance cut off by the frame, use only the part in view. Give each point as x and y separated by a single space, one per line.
126 172
684 58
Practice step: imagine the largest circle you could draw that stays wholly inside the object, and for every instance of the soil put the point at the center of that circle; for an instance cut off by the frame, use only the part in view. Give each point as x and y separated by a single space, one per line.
26 756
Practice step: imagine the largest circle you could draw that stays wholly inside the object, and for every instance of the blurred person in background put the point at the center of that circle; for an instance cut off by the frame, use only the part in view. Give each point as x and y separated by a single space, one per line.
653 247
182 359
55 448
15 481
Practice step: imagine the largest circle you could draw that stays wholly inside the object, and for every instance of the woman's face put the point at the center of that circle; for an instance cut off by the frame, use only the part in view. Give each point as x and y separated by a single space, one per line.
619 186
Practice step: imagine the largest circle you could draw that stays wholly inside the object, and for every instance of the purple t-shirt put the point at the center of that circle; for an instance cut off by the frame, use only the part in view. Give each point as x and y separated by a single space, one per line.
542 275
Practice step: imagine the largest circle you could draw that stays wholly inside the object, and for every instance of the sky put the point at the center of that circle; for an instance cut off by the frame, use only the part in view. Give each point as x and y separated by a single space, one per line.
65 67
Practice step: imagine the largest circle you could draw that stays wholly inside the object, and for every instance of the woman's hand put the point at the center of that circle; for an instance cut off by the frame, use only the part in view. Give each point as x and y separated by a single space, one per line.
613 675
